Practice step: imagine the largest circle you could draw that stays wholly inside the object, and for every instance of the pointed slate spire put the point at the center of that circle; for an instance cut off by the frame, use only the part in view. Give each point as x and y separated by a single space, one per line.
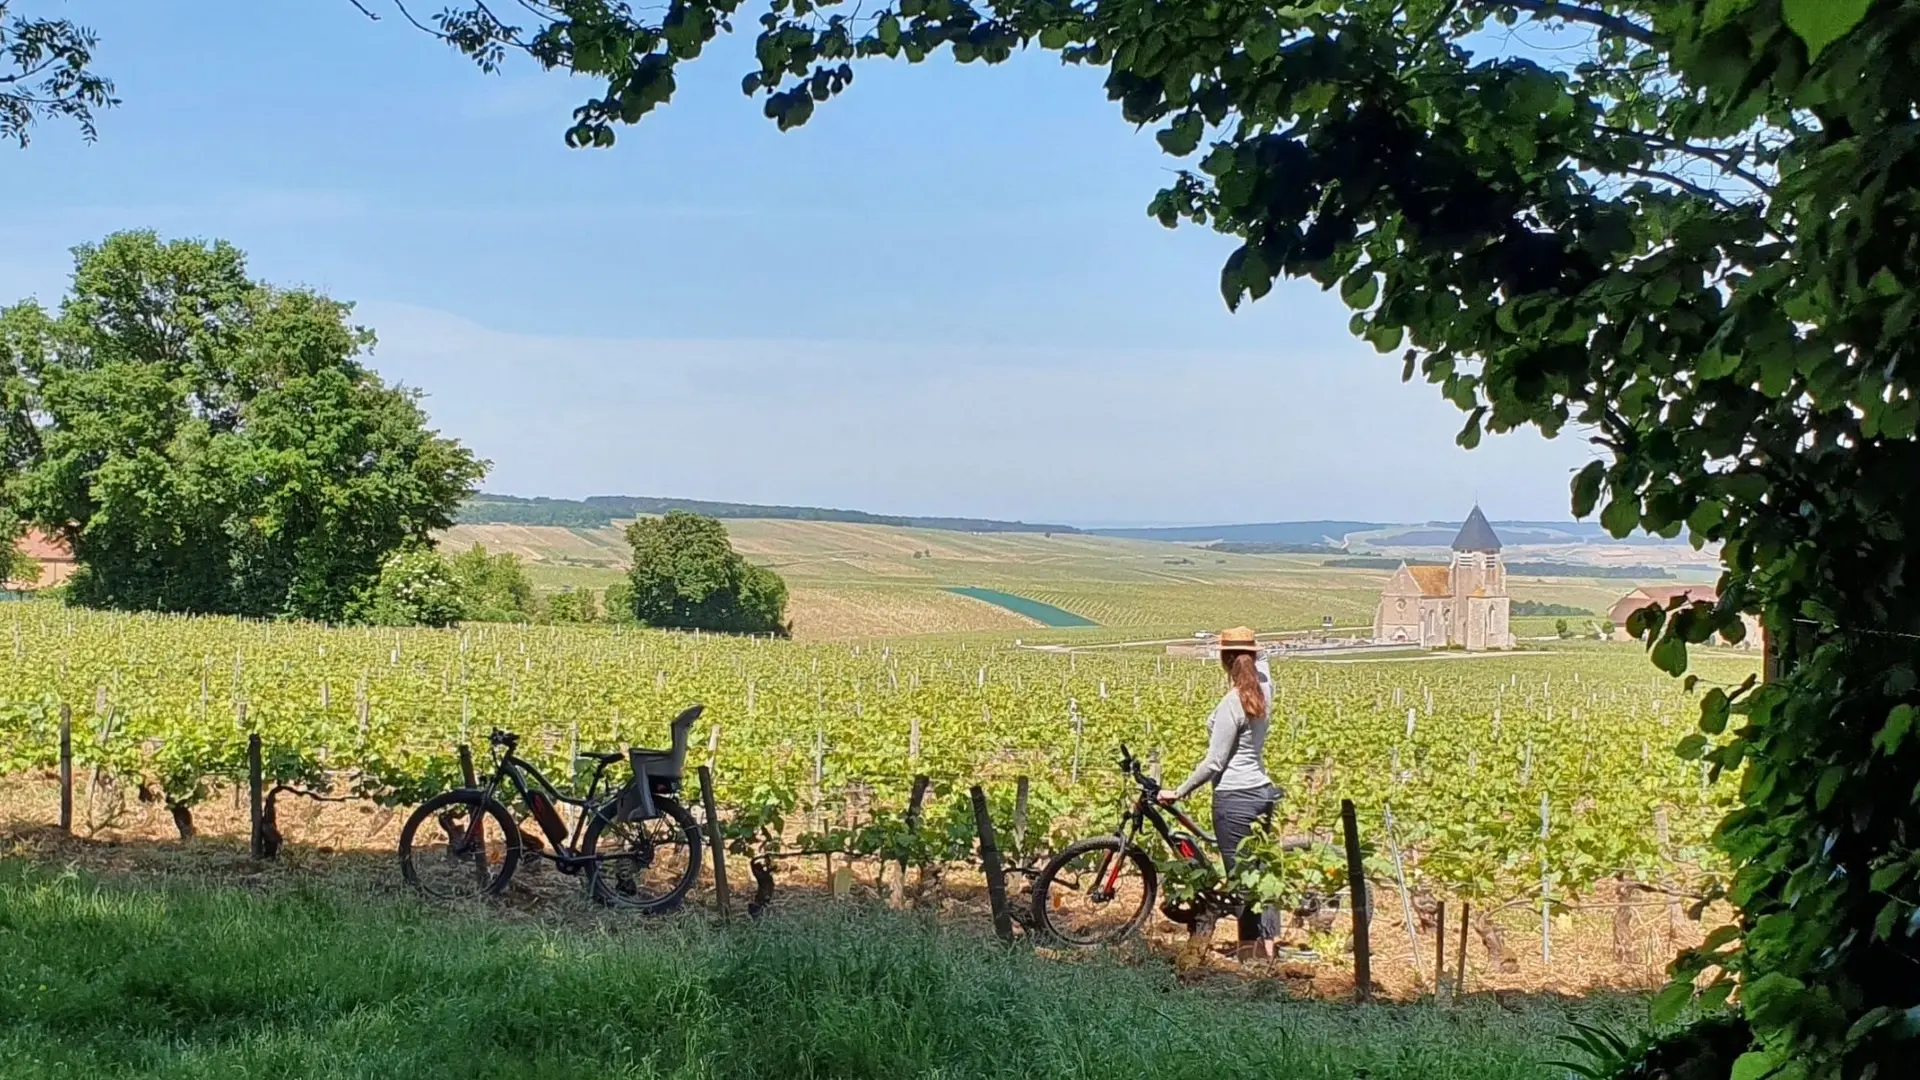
1477 534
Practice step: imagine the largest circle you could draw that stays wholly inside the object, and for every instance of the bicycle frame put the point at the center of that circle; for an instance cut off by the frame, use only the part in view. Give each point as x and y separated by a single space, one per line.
1147 811
515 771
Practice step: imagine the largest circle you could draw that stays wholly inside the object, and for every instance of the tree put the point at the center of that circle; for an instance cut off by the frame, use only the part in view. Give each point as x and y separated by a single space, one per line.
415 588
207 443
619 602
1560 627
44 73
1685 230
18 439
16 565
686 576
493 588
573 606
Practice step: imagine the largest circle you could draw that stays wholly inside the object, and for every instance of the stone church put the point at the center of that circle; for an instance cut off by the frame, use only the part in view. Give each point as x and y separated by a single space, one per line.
1462 605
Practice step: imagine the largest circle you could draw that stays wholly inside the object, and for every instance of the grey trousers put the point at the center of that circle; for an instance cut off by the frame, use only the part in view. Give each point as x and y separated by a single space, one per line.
1234 813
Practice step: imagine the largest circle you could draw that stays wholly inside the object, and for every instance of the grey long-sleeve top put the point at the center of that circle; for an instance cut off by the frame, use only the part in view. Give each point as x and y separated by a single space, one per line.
1235 746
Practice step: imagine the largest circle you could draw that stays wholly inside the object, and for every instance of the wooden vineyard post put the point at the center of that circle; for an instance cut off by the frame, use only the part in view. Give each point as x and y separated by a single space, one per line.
1440 953
256 805
66 768
1020 789
1073 711
1357 888
1663 833
990 862
717 840
466 766
819 778
1546 891
1406 902
920 784
1466 917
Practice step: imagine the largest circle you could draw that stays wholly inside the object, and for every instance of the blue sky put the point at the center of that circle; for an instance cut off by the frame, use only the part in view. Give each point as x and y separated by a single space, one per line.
942 295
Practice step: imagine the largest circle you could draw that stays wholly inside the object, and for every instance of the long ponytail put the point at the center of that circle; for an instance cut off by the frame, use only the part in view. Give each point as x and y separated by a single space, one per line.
1246 680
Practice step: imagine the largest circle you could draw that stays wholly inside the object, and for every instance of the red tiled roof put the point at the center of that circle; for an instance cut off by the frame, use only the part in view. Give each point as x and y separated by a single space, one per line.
1433 580
53 555
1660 596
38 545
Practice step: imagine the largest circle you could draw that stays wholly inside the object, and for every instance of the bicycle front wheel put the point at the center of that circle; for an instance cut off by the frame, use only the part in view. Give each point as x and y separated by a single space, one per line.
645 865
1095 892
459 845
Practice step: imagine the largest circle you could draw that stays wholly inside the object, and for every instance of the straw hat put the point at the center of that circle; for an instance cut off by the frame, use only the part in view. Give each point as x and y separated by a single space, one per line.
1238 639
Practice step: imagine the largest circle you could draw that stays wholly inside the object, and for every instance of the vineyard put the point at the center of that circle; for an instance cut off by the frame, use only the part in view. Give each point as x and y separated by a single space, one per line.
1503 776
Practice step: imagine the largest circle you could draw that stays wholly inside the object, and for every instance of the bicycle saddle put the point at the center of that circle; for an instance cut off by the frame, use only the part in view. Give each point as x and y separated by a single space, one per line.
604 757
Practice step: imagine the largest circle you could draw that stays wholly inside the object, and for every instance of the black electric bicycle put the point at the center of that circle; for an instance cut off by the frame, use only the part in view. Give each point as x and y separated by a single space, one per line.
638 847
1102 889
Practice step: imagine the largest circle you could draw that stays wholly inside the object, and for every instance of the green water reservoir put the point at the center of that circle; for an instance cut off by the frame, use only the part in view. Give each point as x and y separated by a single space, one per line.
1044 614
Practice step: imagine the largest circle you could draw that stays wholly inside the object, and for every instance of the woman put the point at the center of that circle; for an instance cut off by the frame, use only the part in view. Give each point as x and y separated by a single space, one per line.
1236 740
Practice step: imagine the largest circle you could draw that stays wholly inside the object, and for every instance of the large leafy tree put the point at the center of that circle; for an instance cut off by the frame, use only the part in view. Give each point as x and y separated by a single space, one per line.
687 576
208 443
1686 231
19 353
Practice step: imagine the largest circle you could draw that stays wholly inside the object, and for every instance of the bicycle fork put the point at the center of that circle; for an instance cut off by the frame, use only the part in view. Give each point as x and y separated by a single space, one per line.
1107 880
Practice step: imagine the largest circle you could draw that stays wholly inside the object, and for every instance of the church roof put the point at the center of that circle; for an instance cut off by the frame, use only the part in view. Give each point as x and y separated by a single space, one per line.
1433 580
1476 534
1658 596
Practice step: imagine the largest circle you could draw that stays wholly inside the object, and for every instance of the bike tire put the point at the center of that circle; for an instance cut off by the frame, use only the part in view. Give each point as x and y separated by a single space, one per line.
1057 880
422 861
611 888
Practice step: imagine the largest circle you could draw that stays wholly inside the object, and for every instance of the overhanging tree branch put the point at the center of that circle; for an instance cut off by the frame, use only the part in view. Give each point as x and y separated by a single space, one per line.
1606 21
1722 159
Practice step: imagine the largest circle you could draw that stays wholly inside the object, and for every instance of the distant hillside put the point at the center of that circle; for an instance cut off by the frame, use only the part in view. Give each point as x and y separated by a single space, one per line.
599 510
1271 547
1518 569
1272 532
1511 533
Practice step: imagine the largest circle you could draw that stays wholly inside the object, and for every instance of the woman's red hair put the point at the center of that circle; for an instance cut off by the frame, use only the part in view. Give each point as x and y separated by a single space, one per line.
1246 680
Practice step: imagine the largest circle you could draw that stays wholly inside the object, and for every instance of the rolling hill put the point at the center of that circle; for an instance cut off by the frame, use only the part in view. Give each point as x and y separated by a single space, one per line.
851 579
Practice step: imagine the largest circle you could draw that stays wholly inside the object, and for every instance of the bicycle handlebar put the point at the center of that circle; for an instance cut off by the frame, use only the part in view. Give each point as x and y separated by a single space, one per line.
1131 766
506 739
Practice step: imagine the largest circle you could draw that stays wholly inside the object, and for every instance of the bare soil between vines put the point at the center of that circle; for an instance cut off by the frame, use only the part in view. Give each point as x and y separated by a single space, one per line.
350 846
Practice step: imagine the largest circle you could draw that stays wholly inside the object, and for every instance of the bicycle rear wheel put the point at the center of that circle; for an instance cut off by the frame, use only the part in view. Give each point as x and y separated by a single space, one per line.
645 865
459 845
1095 892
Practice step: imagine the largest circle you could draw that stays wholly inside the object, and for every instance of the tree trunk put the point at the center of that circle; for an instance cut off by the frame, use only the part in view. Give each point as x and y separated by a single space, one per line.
1495 943
1623 950
182 819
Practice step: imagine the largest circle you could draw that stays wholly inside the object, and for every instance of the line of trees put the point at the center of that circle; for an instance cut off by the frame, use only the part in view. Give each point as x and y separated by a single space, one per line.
685 576
421 587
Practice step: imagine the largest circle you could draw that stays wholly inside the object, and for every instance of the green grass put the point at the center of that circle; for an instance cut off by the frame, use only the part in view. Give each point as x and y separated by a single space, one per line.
202 981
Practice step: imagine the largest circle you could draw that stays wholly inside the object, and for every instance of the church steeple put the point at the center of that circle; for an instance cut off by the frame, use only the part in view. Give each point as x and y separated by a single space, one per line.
1477 535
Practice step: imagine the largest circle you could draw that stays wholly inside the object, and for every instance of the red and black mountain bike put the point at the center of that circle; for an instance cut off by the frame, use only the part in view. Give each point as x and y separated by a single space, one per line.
1102 889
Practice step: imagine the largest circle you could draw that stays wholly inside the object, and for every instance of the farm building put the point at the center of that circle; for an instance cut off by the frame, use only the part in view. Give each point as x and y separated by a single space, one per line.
1461 605
53 555
1664 595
